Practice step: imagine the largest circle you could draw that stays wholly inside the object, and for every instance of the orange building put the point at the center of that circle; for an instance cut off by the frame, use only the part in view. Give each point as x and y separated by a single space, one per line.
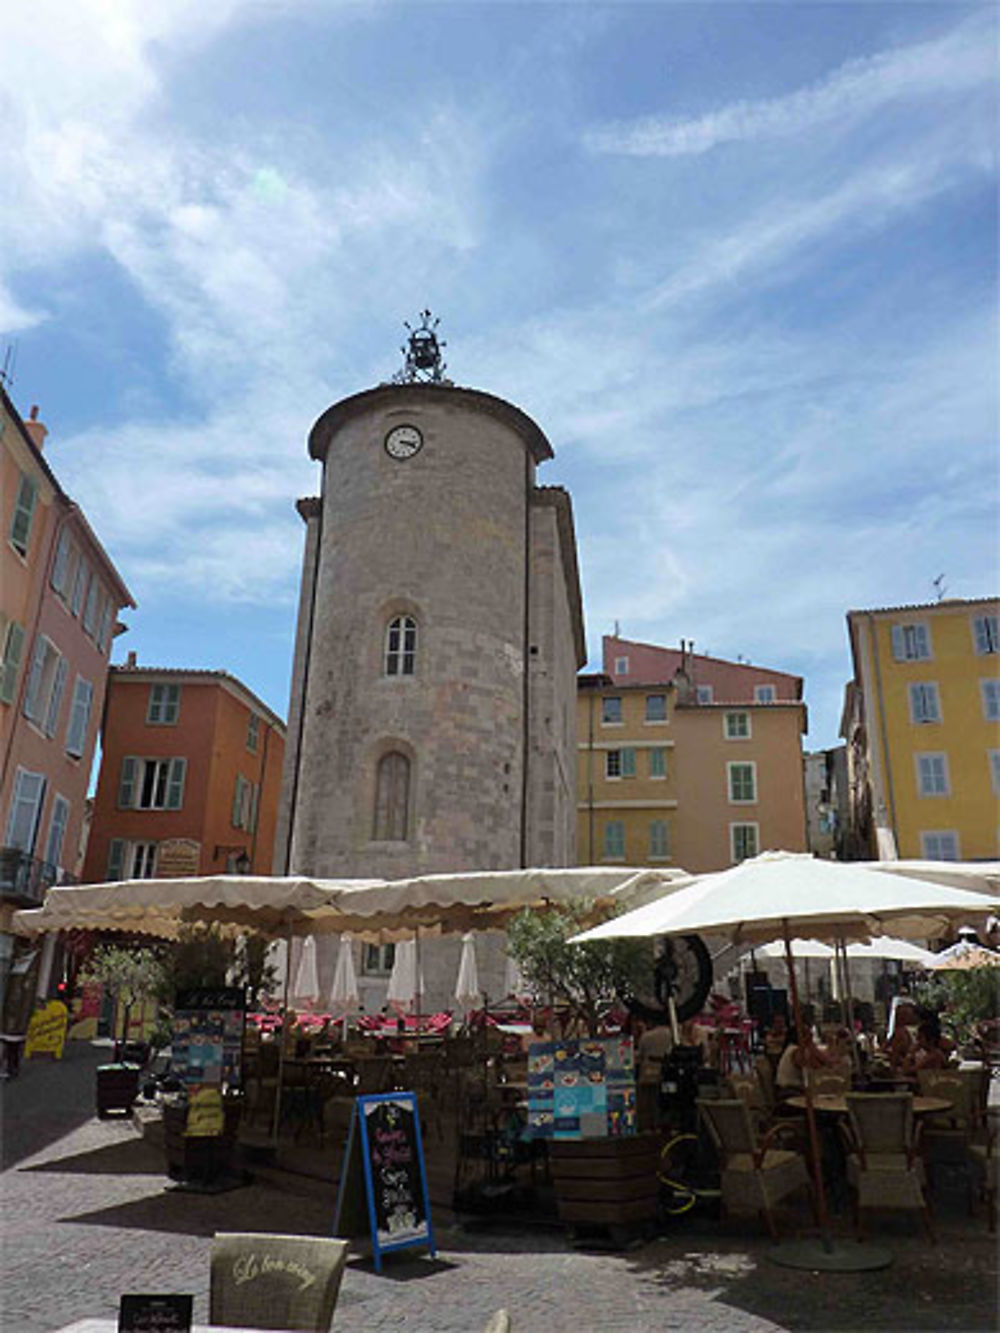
190 777
687 760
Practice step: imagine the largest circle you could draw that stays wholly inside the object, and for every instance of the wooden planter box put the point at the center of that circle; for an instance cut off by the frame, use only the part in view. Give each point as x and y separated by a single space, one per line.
117 1087
607 1183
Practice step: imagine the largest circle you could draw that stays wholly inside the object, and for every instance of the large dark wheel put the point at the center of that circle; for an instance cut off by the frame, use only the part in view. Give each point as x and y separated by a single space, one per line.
684 968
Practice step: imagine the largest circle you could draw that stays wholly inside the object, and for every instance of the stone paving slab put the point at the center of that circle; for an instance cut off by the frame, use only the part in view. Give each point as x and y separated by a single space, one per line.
88 1214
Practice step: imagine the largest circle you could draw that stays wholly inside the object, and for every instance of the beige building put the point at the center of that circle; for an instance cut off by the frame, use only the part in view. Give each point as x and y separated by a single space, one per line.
687 760
431 722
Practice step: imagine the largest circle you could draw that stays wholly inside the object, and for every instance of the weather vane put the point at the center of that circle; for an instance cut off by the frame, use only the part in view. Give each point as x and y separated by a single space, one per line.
422 359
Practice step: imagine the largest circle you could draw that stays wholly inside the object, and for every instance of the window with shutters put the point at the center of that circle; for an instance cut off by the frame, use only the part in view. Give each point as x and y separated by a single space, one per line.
392 798
925 705
25 810
253 732
614 840
658 762
131 860
742 782
620 763
60 566
245 804
164 705
401 646
911 642
659 846
13 646
46 684
932 774
23 517
991 699
939 844
744 840
57 831
76 732
80 582
151 784
737 726
986 634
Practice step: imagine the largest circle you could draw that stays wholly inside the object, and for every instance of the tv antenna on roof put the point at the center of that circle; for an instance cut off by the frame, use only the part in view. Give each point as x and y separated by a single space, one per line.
939 587
7 370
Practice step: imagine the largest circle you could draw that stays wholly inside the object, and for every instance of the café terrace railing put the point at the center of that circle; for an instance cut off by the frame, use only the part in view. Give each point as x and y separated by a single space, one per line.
25 878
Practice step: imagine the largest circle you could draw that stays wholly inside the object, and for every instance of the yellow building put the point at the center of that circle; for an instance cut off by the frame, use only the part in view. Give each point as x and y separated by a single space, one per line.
686 760
922 722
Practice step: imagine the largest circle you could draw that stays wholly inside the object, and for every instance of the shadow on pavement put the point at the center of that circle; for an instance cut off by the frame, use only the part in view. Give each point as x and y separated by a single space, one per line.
48 1099
254 1208
398 1267
135 1158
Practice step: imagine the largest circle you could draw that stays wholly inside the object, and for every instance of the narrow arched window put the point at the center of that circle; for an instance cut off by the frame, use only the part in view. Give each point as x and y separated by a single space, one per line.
392 797
401 646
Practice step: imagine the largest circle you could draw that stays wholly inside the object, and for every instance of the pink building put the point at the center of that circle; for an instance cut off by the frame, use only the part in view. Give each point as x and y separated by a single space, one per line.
59 601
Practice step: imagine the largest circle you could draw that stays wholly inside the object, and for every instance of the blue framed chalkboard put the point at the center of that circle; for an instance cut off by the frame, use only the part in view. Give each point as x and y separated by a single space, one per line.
383 1180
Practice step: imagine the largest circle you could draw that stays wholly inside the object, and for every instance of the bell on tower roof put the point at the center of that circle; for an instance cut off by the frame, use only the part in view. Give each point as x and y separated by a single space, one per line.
422 359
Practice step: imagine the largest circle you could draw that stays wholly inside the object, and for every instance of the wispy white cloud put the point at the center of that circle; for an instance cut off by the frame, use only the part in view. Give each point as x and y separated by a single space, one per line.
963 59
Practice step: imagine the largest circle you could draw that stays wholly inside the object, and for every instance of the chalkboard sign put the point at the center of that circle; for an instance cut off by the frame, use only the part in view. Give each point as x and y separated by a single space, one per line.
383 1180
155 1314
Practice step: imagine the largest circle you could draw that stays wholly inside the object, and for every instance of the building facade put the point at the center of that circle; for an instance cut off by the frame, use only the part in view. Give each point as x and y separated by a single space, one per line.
922 724
190 777
432 722
687 760
60 596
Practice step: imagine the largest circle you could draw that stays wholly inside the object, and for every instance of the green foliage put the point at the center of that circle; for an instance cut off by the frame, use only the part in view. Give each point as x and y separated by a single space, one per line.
580 975
202 956
963 999
131 973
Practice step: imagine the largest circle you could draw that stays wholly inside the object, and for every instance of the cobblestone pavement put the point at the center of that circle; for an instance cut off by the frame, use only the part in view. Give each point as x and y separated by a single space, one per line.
86 1215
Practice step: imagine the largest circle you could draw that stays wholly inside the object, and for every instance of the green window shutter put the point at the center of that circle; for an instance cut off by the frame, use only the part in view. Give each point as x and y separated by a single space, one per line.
175 784
55 698
24 513
31 694
13 648
628 763
237 802
126 785
116 858
254 803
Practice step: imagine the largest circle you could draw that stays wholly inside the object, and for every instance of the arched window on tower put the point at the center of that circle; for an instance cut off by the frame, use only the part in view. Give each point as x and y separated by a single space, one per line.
401 646
392 797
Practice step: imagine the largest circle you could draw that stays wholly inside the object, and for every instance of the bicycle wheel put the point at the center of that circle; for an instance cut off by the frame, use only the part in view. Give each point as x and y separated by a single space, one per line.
674 1172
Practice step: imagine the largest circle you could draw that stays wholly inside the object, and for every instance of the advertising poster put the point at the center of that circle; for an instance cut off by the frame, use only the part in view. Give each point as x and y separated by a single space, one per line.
207 1051
581 1089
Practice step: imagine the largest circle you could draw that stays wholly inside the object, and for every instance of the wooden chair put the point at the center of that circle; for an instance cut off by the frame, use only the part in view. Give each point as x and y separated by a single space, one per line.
755 1175
884 1166
260 1280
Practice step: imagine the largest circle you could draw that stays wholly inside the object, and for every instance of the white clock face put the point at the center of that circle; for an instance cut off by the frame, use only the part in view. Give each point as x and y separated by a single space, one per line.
403 442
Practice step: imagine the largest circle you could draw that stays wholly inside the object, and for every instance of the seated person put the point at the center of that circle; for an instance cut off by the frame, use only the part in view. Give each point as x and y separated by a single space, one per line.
776 1038
900 1038
931 1050
788 1078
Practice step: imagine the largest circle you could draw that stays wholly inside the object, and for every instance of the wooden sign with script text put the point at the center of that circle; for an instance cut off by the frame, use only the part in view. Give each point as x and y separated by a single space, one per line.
383 1180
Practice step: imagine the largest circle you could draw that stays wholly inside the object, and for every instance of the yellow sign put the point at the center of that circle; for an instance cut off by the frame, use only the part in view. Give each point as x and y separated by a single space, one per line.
206 1118
47 1030
177 857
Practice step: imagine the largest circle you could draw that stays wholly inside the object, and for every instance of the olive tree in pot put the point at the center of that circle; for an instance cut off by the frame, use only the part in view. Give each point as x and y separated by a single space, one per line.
131 974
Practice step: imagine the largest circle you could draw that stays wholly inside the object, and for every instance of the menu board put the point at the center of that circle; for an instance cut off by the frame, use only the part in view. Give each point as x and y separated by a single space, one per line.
155 1314
583 1089
383 1181
207 1049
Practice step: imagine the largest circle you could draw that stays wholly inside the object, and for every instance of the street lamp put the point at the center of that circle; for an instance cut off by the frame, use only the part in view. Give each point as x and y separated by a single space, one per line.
241 861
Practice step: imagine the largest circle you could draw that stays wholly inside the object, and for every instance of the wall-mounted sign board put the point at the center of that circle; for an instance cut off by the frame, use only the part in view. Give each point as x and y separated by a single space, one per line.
383 1179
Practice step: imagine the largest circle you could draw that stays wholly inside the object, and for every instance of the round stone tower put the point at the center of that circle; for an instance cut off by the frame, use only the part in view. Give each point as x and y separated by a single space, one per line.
432 716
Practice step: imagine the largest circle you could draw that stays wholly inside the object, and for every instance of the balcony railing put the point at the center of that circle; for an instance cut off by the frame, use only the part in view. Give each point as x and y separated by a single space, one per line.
26 878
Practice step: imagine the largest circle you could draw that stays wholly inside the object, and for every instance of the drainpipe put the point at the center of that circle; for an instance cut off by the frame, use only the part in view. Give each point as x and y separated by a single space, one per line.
526 658
890 792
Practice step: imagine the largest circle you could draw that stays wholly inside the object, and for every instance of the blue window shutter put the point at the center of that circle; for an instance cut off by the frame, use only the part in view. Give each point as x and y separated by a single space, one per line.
126 785
175 784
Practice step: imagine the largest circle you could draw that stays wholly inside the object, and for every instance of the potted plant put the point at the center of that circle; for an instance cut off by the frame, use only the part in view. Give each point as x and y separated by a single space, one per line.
131 975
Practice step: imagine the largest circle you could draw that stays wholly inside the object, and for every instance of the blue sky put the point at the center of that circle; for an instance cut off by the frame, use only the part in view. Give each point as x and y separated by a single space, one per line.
737 260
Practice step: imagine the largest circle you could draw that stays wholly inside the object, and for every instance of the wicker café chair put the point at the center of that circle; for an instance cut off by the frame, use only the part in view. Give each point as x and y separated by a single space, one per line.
884 1166
755 1175
260 1280
947 1136
828 1082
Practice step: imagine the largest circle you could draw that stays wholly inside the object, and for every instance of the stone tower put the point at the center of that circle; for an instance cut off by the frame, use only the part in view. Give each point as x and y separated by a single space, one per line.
431 722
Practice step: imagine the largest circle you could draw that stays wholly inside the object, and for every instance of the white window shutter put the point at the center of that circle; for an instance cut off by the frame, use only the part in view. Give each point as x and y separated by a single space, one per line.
116 858
11 662
126 785
55 698
898 645
175 784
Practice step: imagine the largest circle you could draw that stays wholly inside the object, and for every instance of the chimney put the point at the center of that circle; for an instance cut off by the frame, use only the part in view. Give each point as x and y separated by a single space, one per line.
36 429
130 661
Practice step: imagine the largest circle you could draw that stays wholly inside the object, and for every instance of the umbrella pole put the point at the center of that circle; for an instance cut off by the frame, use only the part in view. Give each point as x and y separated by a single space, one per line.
281 1046
849 1003
804 1039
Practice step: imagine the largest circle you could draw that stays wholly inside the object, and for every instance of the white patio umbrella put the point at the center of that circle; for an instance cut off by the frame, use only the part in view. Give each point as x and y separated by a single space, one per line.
344 992
406 984
305 988
769 896
467 989
963 957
